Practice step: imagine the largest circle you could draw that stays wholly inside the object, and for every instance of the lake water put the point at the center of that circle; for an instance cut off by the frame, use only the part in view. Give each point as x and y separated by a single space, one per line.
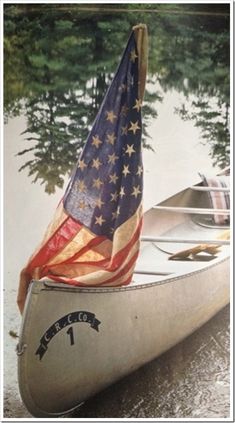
189 381
192 380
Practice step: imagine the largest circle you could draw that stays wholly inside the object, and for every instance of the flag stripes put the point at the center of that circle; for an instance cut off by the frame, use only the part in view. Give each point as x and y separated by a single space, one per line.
93 239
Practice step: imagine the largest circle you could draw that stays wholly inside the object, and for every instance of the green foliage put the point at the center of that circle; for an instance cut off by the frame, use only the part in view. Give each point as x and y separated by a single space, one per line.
59 60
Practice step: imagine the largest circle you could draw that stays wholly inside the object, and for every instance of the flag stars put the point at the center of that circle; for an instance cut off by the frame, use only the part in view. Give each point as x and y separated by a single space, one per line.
134 127
130 150
125 170
133 55
138 105
99 203
112 158
80 186
116 213
139 171
99 220
113 178
130 79
123 87
96 141
111 116
124 110
122 192
136 191
97 183
82 165
114 196
124 130
82 205
96 163
111 138
107 187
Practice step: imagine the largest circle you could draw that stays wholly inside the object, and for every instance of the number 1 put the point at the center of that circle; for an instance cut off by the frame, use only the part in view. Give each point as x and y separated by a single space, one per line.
70 333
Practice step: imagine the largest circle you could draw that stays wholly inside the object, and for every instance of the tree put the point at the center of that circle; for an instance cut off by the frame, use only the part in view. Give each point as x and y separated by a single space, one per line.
60 60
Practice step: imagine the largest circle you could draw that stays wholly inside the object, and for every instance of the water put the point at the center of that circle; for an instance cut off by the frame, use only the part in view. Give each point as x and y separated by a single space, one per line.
49 97
189 381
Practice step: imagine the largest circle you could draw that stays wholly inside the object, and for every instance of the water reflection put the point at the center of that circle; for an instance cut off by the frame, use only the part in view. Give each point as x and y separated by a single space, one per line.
59 61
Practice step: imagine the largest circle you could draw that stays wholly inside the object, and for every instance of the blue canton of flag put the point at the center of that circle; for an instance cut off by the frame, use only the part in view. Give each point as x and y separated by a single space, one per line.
106 187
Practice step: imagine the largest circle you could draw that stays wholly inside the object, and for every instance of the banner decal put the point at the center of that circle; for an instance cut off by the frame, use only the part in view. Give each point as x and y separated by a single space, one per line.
69 319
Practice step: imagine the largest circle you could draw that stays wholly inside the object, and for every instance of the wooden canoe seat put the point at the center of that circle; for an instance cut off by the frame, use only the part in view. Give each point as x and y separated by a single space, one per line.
193 253
211 249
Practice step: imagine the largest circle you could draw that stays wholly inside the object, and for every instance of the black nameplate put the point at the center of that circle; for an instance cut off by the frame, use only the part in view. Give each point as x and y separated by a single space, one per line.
69 319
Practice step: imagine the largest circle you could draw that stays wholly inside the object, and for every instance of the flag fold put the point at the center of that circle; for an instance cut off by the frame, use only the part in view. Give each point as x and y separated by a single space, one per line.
93 239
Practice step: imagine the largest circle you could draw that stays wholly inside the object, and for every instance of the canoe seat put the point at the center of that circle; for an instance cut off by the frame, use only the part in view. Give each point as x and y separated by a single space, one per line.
207 249
195 253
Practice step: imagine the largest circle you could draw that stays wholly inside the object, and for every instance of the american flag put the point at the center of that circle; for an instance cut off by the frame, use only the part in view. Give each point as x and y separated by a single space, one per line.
93 239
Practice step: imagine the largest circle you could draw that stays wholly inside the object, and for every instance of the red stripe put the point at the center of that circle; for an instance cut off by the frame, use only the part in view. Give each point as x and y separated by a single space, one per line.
127 281
83 285
64 234
122 272
99 263
118 258
115 261
58 240
93 243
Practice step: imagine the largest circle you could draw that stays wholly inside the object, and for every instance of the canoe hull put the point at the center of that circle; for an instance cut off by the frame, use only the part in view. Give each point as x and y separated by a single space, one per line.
67 353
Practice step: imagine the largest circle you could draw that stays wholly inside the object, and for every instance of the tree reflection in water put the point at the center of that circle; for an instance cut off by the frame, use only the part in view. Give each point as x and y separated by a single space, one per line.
59 61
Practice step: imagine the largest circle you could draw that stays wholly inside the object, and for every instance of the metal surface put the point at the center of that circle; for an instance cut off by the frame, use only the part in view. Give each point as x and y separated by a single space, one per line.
146 272
209 189
193 210
80 341
148 238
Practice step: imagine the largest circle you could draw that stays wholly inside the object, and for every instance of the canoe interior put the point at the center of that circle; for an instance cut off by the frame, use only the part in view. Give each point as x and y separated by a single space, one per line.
156 255
76 341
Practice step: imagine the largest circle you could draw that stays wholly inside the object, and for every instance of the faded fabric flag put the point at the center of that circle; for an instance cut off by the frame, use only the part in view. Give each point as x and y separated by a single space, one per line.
93 239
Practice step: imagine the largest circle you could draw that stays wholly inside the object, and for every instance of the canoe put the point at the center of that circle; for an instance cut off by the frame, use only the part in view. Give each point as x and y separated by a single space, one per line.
74 342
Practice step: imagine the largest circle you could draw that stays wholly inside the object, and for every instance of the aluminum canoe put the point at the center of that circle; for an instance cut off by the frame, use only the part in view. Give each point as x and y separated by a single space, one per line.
74 342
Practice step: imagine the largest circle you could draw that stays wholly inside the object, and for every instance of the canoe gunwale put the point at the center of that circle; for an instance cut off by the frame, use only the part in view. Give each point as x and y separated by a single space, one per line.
49 285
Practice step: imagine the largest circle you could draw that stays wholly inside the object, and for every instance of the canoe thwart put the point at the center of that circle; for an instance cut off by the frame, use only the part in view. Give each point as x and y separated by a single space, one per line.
149 272
209 189
193 210
146 238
